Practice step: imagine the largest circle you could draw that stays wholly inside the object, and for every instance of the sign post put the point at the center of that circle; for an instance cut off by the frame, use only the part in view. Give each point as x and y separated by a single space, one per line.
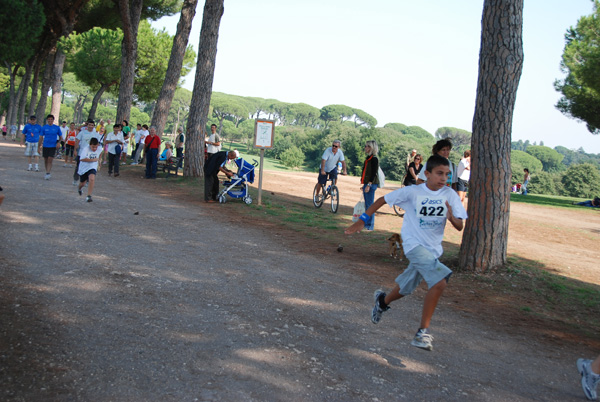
264 131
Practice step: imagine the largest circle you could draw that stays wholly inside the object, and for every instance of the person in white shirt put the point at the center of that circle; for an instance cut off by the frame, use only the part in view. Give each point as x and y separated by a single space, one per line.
428 206
213 144
329 161
82 141
114 146
463 174
140 153
88 167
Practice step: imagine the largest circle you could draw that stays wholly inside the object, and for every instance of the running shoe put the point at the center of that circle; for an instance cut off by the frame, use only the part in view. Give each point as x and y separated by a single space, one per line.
79 191
88 198
37 168
589 379
423 340
47 177
30 168
377 310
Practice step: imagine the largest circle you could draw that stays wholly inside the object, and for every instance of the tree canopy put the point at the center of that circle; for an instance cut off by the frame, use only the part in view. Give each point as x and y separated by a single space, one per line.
580 88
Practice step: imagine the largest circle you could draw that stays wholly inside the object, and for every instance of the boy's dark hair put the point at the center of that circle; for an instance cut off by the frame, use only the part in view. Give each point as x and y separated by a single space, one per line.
90 121
145 126
526 170
435 161
139 124
443 143
213 125
93 141
117 125
64 121
49 116
126 122
32 117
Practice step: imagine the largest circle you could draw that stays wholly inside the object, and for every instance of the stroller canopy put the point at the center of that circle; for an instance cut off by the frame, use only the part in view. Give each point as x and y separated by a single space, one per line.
245 168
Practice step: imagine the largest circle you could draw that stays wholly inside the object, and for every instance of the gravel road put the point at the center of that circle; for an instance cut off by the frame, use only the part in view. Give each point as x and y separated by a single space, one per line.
182 302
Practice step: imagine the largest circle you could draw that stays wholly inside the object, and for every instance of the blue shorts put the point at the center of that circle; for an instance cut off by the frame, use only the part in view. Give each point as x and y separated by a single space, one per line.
331 175
462 185
423 266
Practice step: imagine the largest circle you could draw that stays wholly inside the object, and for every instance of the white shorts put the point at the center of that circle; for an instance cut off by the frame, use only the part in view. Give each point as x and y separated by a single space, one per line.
31 149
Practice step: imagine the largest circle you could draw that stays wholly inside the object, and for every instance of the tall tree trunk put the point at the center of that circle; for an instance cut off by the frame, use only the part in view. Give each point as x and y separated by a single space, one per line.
12 95
57 70
180 41
40 111
22 94
96 100
35 83
80 110
205 71
500 64
130 17
76 108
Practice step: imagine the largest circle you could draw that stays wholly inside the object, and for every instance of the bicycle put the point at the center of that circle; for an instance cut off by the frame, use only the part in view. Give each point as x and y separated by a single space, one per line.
331 192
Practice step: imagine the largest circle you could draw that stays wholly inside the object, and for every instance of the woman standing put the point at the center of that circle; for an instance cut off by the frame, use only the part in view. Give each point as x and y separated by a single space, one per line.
369 179
414 168
525 181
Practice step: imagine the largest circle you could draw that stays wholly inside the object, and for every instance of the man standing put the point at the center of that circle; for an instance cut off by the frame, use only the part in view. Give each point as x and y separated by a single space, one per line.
329 161
49 137
212 167
13 132
114 141
179 142
151 145
214 141
64 130
31 137
135 146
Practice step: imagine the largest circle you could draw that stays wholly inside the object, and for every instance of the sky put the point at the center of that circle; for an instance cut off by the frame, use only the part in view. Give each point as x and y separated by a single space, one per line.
410 62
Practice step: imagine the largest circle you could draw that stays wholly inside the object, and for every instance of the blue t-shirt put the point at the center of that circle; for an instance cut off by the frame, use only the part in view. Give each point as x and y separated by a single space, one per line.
32 132
51 135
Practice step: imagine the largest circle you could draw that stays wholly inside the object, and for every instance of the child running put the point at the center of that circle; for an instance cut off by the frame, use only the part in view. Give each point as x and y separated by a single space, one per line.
88 166
427 207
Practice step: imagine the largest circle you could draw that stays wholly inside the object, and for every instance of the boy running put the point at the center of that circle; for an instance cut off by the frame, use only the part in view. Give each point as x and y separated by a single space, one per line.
70 145
88 166
31 137
427 207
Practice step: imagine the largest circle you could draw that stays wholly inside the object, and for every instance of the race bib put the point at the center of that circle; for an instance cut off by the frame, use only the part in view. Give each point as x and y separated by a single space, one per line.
431 211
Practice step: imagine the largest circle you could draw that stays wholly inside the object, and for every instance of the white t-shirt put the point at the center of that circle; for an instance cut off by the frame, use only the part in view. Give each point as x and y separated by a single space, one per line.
84 138
331 159
111 137
462 172
213 149
143 135
64 131
452 177
425 217
87 153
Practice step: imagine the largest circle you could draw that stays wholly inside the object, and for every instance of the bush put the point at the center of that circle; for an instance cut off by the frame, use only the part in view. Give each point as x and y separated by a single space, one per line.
545 183
582 181
292 157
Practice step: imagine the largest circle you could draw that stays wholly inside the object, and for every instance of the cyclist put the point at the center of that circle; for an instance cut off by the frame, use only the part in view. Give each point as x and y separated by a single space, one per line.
329 161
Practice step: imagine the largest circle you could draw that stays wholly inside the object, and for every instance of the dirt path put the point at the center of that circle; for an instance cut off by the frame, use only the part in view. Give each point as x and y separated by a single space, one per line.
183 302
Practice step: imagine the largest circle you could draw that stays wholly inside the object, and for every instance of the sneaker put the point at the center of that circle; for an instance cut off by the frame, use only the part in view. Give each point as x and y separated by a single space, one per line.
79 191
88 198
589 379
30 168
75 182
377 310
116 175
37 168
422 340
47 177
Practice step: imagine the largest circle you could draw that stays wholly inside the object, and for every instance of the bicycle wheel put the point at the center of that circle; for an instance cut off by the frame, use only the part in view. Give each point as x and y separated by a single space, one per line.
399 211
335 199
318 199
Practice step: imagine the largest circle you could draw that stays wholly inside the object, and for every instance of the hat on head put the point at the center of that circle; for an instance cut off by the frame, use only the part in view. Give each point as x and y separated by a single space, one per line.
237 154
414 150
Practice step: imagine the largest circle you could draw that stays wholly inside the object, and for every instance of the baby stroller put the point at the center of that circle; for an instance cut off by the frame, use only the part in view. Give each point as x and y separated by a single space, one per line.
237 187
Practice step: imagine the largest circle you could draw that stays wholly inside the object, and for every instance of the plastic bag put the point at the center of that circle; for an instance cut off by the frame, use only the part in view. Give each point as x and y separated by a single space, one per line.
381 177
359 209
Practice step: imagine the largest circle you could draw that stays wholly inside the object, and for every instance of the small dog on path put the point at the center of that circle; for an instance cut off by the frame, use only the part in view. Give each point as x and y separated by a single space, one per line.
395 246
